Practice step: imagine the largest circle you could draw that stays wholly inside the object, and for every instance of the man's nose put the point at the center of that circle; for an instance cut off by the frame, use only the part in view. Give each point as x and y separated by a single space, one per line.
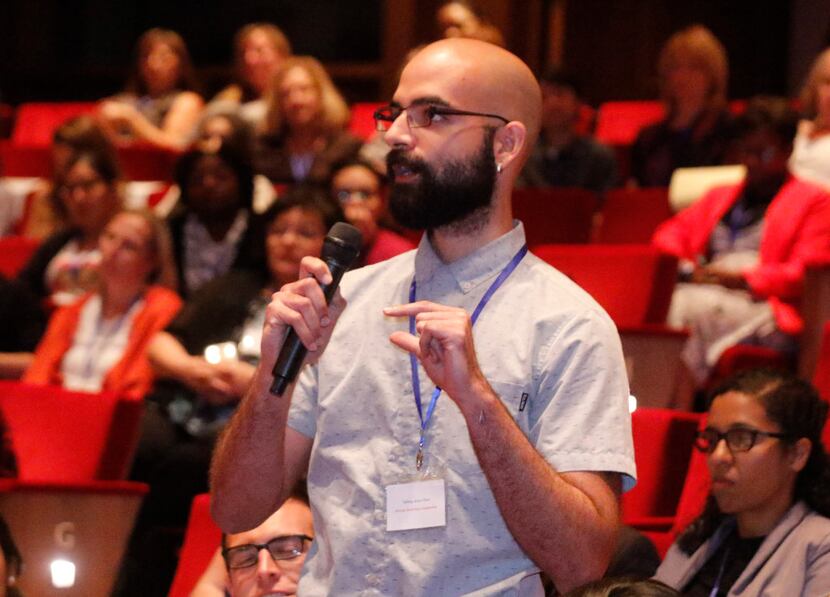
399 133
266 567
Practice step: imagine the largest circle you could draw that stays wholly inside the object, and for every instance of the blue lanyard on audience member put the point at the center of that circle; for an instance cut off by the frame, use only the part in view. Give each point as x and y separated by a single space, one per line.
416 384
716 588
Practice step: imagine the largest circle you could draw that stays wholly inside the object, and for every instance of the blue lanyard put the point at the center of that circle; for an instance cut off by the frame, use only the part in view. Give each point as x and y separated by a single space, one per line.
416 384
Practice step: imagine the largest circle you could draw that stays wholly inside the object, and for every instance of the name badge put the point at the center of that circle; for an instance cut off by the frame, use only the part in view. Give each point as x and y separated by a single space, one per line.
418 505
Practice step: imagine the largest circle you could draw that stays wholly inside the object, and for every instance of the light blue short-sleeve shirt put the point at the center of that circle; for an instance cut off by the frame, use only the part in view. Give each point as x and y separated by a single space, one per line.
548 350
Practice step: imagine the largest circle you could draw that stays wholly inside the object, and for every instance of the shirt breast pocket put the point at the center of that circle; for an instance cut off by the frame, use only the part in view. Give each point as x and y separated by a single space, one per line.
517 399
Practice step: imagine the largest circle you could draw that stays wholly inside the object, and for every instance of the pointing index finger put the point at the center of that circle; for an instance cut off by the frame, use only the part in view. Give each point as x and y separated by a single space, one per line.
412 309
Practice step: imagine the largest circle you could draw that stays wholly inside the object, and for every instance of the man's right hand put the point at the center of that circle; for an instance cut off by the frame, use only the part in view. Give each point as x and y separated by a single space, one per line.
302 306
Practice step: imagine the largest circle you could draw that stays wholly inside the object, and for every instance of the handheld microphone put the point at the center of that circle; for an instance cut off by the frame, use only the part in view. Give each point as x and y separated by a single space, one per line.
340 249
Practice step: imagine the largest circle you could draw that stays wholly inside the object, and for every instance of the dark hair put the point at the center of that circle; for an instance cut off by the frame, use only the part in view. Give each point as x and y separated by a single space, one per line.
795 406
241 139
14 561
309 198
560 77
232 157
82 133
357 162
765 113
187 80
624 587
8 459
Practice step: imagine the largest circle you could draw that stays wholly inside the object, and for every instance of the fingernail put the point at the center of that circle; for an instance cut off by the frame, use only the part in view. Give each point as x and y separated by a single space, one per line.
313 346
325 320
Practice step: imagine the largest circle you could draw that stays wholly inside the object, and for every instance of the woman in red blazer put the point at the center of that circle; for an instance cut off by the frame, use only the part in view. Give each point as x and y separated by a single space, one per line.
743 248
99 342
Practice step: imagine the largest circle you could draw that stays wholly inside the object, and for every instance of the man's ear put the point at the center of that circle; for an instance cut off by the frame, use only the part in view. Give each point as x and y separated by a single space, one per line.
508 143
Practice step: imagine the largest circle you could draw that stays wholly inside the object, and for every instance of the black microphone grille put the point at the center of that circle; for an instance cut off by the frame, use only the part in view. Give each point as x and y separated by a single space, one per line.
343 241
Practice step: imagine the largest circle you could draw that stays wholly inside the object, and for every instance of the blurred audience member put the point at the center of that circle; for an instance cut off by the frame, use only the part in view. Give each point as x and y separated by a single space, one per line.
88 193
564 157
765 529
744 247
215 129
464 18
359 189
11 563
693 72
263 561
205 360
811 149
44 214
99 342
160 105
259 50
213 226
305 127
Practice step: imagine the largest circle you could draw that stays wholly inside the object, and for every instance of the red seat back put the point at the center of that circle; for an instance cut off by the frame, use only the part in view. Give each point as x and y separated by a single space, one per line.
632 215
362 120
663 441
15 251
69 437
633 283
619 122
37 121
557 215
201 539
25 160
821 377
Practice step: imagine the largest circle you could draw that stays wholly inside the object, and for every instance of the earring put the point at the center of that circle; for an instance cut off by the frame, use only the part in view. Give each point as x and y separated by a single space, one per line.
498 168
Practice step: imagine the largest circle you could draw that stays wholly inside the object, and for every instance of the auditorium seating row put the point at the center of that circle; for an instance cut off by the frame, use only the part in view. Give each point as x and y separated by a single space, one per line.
74 450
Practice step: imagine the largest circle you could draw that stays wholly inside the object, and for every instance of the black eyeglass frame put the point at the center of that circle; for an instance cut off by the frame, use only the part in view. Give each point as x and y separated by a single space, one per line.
754 434
260 546
390 113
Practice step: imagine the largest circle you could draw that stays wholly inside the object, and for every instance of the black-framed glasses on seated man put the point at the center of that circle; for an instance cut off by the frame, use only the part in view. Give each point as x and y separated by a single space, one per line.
280 548
738 439
421 115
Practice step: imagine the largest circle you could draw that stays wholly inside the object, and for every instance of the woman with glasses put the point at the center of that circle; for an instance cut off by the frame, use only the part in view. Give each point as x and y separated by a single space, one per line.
305 126
765 529
359 190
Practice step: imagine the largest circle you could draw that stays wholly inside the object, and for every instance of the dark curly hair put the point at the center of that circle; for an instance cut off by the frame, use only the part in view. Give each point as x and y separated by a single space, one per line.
795 406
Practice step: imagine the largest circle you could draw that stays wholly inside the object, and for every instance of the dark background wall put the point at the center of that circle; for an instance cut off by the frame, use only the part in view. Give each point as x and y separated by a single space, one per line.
65 50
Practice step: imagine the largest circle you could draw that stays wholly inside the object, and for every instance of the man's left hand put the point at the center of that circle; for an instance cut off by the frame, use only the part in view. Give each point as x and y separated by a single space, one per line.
444 346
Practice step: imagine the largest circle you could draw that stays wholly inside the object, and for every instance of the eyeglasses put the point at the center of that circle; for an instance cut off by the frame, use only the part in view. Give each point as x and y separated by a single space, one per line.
86 186
346 195
739 439
280 548
421 115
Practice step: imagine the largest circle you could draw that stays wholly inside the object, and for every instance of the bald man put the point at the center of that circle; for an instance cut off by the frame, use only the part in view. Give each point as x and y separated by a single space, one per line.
463 421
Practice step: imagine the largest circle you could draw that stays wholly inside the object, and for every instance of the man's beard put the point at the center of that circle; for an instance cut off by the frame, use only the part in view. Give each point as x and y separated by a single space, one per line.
456 194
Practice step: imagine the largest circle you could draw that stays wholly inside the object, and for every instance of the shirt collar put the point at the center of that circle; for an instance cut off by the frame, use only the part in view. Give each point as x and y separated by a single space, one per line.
475 268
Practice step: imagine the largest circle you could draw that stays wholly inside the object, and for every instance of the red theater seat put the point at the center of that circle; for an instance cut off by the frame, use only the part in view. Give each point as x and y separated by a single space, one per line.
35 122
633 283
201 539
69 437
25 160
632 215
558 215
663 530
663 441
15 251
362 121
619 122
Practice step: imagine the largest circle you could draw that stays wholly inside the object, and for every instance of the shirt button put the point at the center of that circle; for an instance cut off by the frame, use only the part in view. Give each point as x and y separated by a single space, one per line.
466 286
372 579
380 515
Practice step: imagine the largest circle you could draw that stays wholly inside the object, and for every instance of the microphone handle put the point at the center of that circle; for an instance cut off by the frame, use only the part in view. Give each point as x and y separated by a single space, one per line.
293 352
